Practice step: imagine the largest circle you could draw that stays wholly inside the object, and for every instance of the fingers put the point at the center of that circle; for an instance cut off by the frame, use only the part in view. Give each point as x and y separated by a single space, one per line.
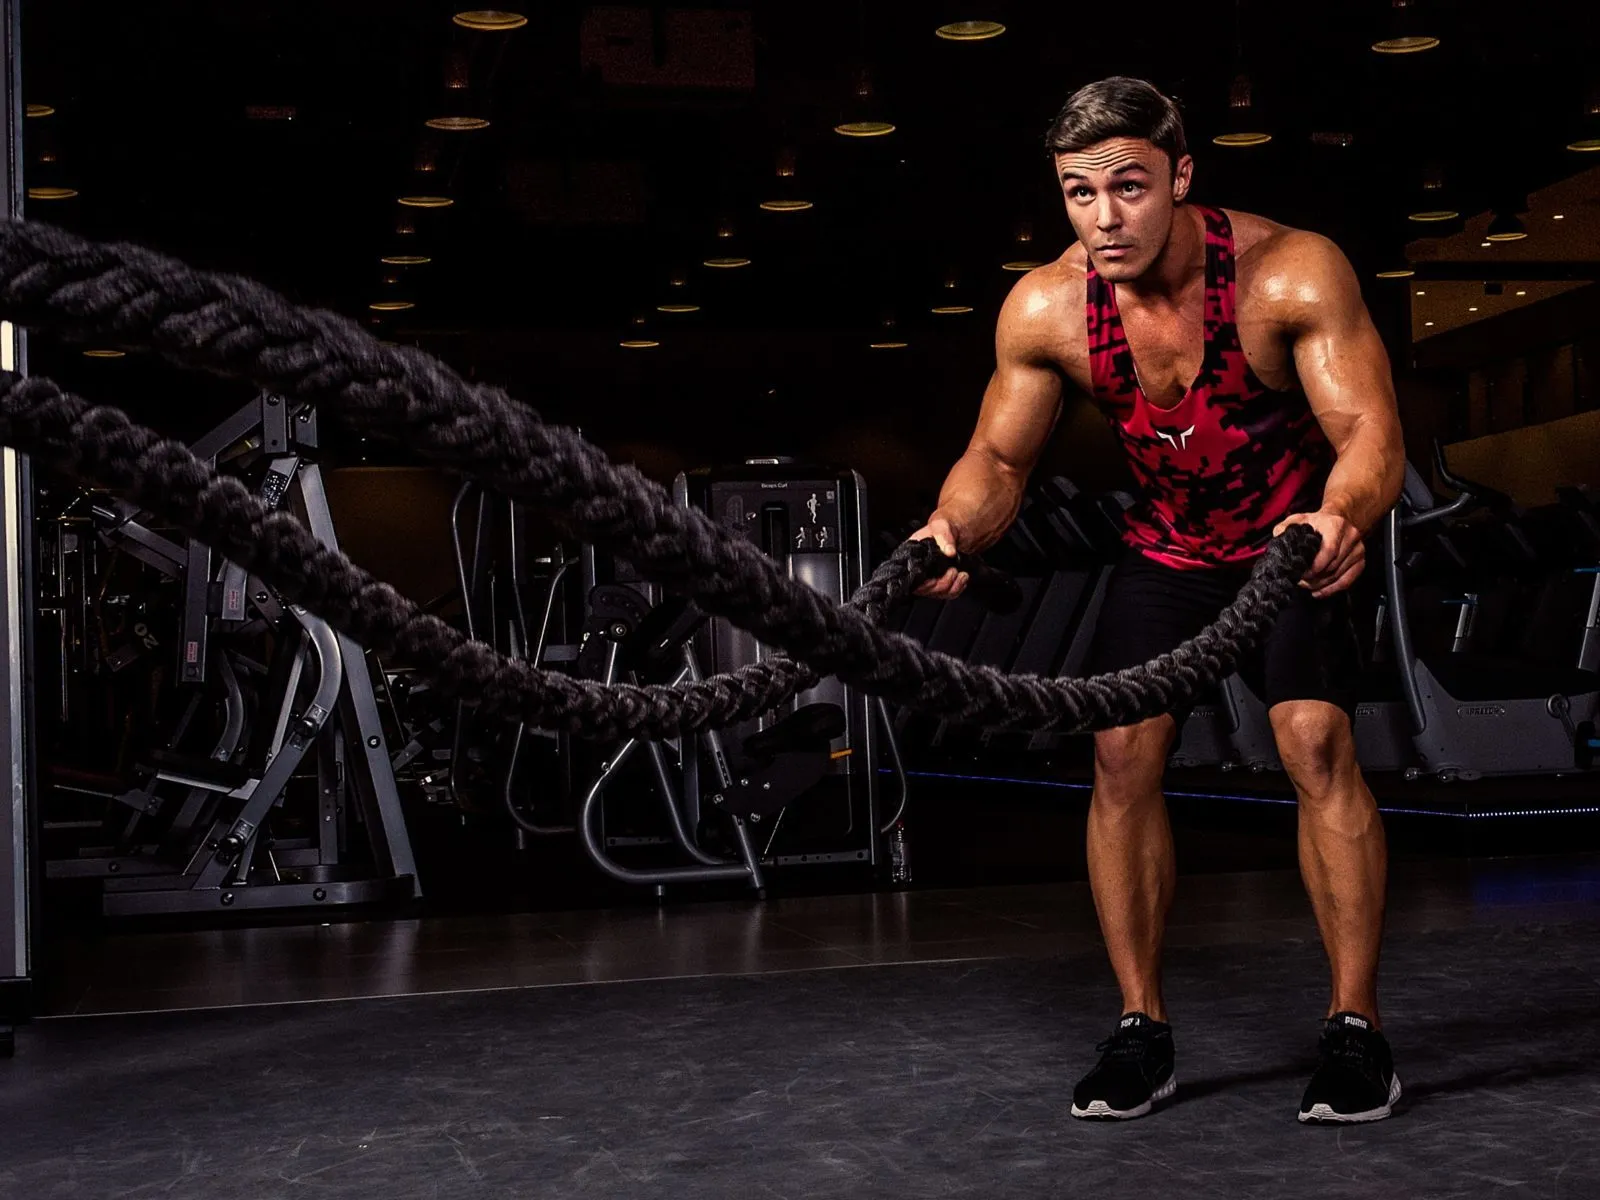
1329 556
1345 568
1348 576
939 530
947 587
952 583
1333 554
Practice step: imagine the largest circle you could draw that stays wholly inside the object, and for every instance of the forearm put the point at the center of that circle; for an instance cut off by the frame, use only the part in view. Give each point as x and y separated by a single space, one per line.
1367 476
980 498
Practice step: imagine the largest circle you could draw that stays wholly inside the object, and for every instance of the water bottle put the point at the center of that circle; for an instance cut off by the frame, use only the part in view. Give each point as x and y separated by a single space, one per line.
899 855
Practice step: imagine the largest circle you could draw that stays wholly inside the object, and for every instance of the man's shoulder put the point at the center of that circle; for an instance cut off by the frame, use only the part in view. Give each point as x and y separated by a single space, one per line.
1045 309
1280 264
1061 281
1259 242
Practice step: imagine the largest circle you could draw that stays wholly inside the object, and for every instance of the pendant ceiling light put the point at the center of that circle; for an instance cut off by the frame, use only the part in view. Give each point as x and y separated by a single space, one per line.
784 194
864 115
1407 32
970 31
490 20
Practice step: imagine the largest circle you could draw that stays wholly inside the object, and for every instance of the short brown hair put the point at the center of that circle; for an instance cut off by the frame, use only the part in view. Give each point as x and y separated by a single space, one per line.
1118 107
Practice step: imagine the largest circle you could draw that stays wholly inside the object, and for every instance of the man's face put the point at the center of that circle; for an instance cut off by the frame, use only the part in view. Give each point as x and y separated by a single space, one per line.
1120 195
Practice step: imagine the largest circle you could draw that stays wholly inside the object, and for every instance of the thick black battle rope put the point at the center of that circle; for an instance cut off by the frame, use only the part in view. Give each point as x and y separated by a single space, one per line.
235 327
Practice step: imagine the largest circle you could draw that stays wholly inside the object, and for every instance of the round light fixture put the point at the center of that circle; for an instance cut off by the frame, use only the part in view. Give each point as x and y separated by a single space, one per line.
1242 139
40 110
489 20
677 308
1434 214
105 354
1242 129
406 260
457 124
783 198
638 343
1413 44
970 31
51 193
390 305
951 309
863 115
726 263
1406 31
1585 145
864 129
1506 227
1406 273
426 201
889 345
1020 264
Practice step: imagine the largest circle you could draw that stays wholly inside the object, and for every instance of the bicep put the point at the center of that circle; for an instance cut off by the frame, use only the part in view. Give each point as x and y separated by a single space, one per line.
1020 409
1023 399
1340 359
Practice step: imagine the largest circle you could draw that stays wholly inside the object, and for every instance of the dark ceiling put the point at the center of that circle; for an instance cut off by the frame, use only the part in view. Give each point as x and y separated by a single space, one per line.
274 139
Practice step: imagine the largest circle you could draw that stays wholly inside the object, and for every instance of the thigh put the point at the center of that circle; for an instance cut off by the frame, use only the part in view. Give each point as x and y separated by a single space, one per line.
1312 653
1151 609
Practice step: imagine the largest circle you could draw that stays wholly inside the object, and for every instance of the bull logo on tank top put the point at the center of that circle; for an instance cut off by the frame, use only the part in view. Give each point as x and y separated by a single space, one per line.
1217 471
1179 440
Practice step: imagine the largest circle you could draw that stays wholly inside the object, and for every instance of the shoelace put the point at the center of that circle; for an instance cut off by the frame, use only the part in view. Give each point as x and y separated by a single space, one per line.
1350 1050
1121 1045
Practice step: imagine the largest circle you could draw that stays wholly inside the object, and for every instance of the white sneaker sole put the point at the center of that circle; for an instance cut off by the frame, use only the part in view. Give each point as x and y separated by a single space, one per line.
1321 1114
1099 1110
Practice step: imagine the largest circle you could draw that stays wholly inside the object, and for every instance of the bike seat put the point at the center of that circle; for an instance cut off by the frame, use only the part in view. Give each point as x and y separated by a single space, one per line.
810 727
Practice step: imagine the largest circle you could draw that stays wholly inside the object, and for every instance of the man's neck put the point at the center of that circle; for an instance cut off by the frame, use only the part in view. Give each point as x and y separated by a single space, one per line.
1175 268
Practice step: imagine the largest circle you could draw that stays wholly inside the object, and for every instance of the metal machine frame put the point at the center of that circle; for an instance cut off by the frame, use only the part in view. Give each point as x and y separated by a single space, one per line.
18 881
1545 725
338 723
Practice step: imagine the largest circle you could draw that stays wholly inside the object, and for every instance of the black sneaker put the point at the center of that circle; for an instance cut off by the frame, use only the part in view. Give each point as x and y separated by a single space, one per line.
1356 1081
1135 1072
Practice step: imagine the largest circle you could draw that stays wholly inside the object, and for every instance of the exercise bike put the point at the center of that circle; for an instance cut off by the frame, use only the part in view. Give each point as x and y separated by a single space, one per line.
1472 714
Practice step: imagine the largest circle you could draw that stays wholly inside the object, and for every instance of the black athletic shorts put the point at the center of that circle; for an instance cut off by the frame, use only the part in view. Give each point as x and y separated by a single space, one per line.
1150 608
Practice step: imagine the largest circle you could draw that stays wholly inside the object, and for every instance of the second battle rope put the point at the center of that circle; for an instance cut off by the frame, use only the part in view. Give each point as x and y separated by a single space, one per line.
235 327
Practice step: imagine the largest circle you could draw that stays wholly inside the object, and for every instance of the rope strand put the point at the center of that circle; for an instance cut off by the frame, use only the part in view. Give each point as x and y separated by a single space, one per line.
232 326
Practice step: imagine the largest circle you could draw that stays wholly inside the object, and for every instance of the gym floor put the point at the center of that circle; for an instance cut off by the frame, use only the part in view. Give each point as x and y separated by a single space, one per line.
907 1044
157 972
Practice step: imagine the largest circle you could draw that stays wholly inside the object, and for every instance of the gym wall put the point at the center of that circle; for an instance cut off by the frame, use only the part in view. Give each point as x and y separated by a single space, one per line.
1528 463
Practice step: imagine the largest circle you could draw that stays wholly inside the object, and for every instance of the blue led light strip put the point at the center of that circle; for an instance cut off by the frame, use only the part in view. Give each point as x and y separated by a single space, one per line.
1064 785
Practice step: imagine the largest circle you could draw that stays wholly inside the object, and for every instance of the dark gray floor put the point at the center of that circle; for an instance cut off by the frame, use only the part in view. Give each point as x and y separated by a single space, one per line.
199 969
911 1080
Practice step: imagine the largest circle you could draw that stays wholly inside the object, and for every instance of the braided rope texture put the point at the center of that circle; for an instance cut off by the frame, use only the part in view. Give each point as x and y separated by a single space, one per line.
234 327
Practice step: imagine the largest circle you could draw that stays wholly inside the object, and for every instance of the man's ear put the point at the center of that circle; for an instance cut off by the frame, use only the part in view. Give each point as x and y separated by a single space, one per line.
1182 176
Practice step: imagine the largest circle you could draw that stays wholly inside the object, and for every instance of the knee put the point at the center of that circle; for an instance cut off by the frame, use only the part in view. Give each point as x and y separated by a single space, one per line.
1316 745
1128 762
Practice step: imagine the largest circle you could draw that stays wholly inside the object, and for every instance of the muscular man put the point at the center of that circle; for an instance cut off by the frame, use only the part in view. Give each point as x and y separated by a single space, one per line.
1237 364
